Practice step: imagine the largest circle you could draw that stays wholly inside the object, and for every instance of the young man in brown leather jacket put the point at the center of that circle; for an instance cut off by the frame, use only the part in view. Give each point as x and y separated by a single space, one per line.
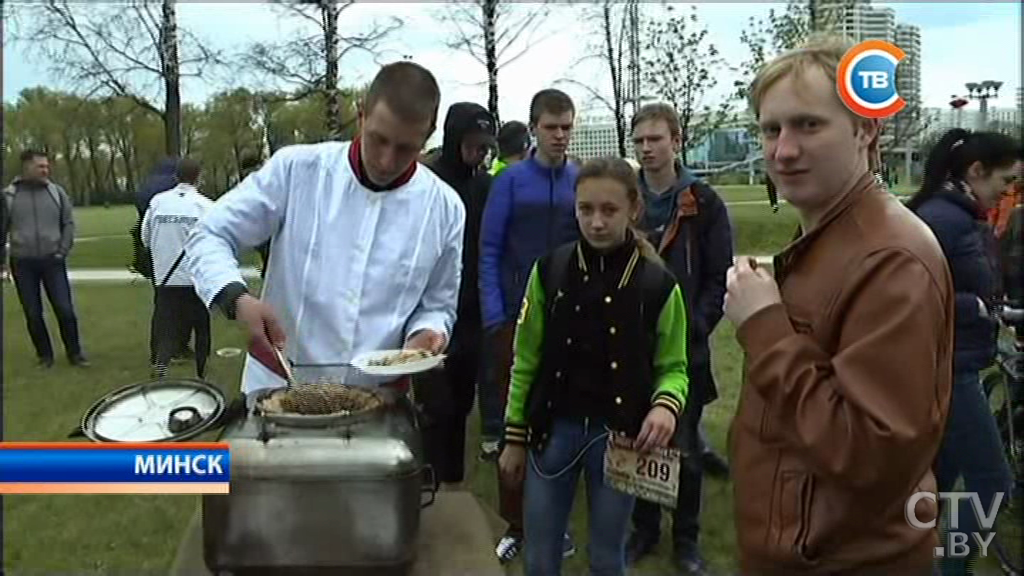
848 347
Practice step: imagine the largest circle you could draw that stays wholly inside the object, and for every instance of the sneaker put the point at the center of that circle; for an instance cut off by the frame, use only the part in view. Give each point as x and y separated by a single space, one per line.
489 451
688 561
508 547
714 465
184 355
79 361
568 547
45 363
638 547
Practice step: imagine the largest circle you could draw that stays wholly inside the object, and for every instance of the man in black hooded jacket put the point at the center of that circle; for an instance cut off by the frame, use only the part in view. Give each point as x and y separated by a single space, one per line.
446 396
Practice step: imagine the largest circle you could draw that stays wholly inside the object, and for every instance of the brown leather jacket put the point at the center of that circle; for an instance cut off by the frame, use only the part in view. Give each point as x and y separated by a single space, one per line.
847 386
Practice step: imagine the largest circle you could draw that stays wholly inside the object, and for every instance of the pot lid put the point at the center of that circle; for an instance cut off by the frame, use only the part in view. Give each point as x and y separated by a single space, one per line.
166 410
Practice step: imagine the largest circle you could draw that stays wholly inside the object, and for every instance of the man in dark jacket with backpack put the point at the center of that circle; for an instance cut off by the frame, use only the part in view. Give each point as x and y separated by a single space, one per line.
689 224
162 178
446 396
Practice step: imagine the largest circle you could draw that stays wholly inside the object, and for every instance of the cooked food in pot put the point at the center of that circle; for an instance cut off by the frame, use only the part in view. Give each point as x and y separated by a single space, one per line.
320 398
403 357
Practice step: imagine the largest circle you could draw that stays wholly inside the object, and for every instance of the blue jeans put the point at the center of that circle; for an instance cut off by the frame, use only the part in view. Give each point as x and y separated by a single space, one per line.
573 446
971 448
31 277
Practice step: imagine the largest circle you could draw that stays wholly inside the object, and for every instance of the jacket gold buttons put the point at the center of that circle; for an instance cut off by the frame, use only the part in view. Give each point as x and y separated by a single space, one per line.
612 330
618 399
615 365
607 299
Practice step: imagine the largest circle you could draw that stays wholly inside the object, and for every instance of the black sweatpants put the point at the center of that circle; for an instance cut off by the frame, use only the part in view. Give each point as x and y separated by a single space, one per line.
686 515
178 312
182 347
445 399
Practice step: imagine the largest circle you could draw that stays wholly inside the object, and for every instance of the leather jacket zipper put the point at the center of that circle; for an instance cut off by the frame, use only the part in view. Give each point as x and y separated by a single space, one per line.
689 253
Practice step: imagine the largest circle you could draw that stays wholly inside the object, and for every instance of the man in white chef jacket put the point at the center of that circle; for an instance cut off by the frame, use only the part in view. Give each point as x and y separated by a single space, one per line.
367 244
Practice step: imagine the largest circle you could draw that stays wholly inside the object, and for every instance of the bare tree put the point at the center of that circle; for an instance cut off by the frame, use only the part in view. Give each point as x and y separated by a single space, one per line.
784 30
492 33
132 51
310 64
611 22
905 129
681 66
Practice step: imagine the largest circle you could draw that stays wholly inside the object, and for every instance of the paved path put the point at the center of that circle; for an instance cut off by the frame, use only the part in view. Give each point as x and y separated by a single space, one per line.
114 275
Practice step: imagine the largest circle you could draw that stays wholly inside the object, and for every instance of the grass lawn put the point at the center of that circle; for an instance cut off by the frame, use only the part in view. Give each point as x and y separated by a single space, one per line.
100 221
132 534
102 240
99 534
744 193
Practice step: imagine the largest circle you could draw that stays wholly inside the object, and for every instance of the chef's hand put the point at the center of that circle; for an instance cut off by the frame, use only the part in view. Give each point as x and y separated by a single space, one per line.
656 431
749 288
512 464
428 340
259 318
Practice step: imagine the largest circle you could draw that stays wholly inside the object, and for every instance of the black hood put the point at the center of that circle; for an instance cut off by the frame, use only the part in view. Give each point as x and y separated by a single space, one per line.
463 118
163 177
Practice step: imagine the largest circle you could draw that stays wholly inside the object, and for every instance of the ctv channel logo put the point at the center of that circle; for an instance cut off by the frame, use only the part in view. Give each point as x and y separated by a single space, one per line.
866 79
958 540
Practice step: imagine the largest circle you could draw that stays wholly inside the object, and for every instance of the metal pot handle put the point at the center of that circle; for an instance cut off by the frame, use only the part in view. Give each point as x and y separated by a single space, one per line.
429 486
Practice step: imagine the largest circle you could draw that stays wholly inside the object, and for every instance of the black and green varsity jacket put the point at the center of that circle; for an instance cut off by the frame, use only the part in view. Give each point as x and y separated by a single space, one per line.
610 339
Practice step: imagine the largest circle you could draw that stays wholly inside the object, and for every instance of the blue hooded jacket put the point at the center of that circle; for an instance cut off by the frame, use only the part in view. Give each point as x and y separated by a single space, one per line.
530 211
163 177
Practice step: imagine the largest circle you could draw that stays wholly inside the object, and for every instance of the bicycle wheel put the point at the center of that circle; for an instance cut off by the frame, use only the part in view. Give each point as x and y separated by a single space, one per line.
1008 541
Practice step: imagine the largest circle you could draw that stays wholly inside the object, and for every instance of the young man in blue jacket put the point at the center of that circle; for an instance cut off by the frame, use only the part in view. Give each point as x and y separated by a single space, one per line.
689 224
530 211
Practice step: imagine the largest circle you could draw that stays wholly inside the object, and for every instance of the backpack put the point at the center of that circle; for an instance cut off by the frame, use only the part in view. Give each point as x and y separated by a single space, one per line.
142 259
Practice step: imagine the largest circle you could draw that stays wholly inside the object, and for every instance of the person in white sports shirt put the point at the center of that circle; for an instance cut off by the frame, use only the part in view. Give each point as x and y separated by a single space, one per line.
178 311
366 248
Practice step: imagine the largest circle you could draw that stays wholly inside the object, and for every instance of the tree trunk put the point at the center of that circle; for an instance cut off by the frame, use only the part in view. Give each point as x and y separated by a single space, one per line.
96 186
329 13
129 164
172 94
490 14
615 68
73 187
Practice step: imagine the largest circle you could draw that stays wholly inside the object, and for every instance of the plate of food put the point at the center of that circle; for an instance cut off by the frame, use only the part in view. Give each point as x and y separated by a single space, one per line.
396 362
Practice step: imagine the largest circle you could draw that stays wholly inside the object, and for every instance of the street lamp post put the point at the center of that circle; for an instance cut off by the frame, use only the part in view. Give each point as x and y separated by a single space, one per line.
982 91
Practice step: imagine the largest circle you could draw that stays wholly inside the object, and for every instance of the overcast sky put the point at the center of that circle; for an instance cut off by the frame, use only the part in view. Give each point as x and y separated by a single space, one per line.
961 42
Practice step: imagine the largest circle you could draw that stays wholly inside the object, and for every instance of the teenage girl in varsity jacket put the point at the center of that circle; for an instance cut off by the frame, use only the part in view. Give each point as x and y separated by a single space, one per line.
600 347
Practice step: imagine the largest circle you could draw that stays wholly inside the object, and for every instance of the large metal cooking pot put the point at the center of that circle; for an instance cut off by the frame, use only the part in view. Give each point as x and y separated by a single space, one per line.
329 492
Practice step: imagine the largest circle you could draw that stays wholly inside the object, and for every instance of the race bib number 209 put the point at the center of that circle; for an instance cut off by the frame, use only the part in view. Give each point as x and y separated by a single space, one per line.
653 476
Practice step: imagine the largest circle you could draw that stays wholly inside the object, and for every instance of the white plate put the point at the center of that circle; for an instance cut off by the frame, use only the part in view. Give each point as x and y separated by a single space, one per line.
362 362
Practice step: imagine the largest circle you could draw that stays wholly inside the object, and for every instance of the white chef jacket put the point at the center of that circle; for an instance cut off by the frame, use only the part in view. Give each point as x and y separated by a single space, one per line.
165 227
350 269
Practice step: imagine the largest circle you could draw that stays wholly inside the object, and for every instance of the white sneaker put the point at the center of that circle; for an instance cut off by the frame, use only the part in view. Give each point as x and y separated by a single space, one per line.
508 548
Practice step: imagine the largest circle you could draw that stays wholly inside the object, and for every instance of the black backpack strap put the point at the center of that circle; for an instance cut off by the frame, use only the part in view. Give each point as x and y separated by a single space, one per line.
656 285
553 269
173 268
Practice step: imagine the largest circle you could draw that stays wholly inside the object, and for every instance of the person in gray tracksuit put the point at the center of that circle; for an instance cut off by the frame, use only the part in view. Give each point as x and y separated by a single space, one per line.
38 218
